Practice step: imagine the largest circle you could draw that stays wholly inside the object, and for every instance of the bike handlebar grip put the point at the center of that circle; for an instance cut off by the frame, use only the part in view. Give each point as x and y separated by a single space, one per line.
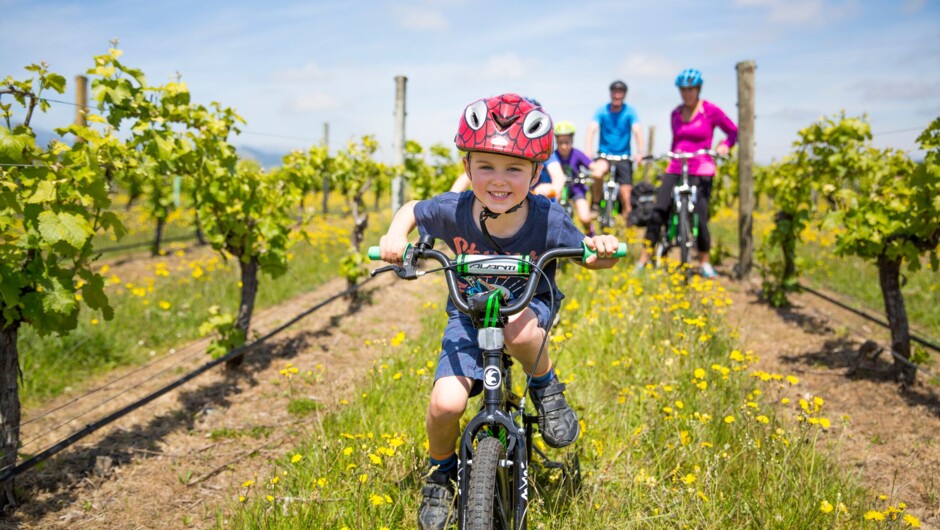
620 253
374 254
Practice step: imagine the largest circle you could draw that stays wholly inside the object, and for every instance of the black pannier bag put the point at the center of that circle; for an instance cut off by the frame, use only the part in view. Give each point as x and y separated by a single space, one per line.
642 201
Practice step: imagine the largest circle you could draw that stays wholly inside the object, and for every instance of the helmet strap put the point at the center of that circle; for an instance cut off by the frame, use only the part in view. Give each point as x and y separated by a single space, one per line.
486 213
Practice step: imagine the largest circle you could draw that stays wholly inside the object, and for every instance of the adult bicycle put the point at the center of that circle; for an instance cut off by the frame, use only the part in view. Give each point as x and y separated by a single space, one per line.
609 205
682 225
496 445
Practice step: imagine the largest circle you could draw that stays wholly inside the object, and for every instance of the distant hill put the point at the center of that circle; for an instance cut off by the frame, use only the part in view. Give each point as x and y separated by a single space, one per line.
267 159
43 137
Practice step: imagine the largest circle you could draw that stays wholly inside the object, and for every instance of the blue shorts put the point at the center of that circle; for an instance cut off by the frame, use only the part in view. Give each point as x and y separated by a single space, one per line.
460 354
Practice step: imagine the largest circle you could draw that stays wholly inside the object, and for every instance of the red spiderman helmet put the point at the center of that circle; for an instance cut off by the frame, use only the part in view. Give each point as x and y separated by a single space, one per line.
507 124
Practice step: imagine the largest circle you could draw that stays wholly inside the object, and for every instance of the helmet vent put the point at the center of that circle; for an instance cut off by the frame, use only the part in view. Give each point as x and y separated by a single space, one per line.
503 122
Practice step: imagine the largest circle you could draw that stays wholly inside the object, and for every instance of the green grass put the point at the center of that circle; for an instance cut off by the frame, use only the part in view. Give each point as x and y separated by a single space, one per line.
677 430
164 310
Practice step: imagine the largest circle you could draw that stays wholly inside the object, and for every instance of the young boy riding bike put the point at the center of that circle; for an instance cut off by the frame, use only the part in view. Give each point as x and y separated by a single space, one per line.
506 139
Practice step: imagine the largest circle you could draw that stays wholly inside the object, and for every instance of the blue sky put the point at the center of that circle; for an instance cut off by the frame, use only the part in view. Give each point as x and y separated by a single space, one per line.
289 66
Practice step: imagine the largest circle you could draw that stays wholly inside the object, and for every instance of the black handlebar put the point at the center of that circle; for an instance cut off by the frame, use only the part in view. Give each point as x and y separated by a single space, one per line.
424 250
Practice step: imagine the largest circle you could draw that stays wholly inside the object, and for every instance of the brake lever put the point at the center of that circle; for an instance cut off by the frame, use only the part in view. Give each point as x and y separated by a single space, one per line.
405 271
395 268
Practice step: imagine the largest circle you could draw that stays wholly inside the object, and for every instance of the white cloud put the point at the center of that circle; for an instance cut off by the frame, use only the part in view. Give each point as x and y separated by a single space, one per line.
894 90
803 12
913 6
645 65
308 73
506 66
310 103
422 19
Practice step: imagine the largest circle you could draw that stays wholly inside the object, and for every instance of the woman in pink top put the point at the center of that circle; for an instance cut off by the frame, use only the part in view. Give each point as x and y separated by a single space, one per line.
693 125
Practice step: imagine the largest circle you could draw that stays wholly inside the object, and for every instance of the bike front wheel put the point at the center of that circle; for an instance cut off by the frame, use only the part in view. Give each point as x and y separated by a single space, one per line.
685 231
490 498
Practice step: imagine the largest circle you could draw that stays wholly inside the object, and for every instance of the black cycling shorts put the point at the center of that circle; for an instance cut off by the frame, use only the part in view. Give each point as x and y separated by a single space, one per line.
624 175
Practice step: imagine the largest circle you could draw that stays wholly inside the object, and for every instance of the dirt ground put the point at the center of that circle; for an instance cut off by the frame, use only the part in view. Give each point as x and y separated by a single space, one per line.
892 437
160 467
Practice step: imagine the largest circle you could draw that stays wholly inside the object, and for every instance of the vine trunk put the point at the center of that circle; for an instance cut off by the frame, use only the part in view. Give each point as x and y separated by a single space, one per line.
9 407
889 274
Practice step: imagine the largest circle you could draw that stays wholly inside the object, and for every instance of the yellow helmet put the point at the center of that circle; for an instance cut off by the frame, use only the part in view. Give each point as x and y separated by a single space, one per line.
564 127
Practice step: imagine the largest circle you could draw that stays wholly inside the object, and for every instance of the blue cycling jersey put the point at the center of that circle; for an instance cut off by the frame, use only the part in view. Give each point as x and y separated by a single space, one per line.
615 129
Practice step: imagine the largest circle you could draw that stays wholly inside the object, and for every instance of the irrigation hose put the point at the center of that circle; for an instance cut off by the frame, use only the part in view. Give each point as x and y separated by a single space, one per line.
19 468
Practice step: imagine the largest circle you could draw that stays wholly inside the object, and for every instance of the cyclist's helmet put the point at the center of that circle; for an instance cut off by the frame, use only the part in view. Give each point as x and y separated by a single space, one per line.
688 78
507 124
618 85
564 127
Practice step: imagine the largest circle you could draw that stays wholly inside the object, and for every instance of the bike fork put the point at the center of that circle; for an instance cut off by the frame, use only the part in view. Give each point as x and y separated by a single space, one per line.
495 383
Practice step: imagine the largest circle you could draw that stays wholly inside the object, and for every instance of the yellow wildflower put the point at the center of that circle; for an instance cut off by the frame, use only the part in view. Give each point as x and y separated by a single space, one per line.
825 506
376 500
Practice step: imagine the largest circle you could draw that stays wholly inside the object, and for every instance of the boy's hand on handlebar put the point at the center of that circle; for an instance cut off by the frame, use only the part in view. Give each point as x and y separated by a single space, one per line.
605 245
392 248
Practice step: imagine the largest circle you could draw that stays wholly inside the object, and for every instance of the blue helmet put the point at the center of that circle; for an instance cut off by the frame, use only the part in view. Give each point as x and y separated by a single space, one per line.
689 77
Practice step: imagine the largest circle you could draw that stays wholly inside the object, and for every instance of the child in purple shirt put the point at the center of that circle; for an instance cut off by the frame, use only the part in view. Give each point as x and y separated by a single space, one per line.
572 160
693 125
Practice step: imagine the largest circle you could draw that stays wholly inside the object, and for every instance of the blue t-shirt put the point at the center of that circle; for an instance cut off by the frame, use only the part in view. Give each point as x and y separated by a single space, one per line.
615 129
449 217
544 177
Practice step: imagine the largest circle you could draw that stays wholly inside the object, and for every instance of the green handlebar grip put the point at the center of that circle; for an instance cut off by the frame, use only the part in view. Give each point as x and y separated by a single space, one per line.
621 251
374 253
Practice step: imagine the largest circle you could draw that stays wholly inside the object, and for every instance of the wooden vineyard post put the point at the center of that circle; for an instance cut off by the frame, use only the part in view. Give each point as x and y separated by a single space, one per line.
398 148
648 168
326 178
745 71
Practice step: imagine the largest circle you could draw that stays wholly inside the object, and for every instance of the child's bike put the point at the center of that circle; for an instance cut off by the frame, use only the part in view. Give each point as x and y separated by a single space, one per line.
610 206
682 224
582 177
496 445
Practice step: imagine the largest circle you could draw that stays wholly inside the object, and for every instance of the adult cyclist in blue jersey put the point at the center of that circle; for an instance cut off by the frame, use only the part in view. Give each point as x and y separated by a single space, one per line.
618 124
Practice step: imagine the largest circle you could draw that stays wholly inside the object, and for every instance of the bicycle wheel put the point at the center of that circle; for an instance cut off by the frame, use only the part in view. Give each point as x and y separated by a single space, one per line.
607 219
685 231
490 498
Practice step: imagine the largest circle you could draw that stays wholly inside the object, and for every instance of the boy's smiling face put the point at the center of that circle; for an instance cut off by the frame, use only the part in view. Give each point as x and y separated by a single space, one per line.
499 181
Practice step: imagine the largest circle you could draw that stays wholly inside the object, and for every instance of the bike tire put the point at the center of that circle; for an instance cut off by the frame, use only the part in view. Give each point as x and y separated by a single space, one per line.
685 231
608 219
490 500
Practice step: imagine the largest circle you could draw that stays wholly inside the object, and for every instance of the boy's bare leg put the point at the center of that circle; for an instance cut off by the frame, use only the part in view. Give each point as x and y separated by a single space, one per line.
523 339
448 402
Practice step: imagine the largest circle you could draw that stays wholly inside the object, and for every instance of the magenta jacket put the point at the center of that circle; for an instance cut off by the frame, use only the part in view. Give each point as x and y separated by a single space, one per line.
697 134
